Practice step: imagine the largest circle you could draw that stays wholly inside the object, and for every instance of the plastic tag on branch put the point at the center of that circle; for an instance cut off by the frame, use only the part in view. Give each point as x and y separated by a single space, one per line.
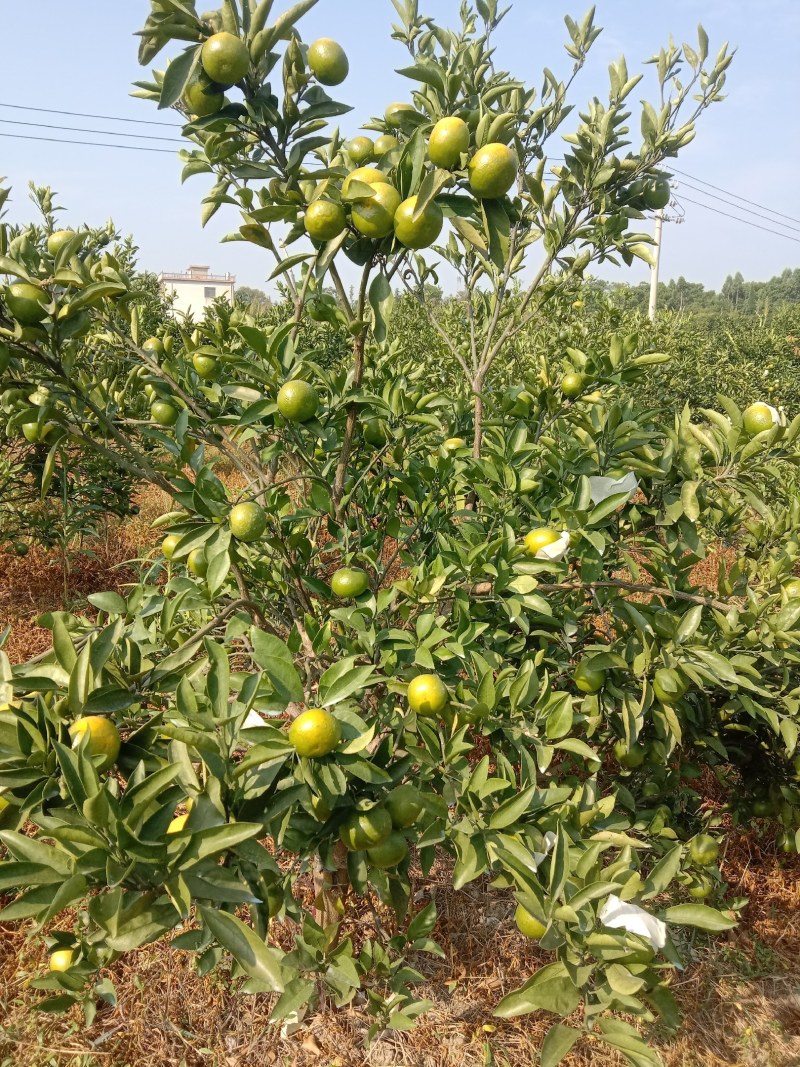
620 915
557 550
602 488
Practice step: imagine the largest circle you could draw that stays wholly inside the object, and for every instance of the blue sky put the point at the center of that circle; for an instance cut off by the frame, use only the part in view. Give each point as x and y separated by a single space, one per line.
749 144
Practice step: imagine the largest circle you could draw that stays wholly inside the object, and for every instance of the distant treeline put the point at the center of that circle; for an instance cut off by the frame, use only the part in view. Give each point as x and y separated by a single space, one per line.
682 295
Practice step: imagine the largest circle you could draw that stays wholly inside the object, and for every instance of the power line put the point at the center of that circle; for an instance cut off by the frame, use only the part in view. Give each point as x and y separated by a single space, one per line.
83 129
94 144
84 115
722 200
735 196
746 222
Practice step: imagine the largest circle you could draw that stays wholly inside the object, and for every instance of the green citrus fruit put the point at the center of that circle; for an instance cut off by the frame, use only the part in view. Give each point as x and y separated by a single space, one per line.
389 852
225 59
528 924
202 97
349 582
328 61
177 824
518 401
205 366
164 413
375 433
629 758
375 217
366 175
298 401
247 521
538 539
365 829
26 303
197 563
21 549
102 738
420 232
448 141
32 432
701 888
492 171
169 544
656 193
756 418
428 695
314 733
360 149
668 685
786 843
154 345
763 808
324 220
61 959
587 679
404 805
57 240
704 850
572 384
452 444
385 143
395 112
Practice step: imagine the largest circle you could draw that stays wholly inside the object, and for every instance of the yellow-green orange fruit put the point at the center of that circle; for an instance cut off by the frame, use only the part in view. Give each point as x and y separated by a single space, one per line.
225 59
365 829
247 521
539 539
386 143
757 418
394 113
375 217
492 171
202 97
163 413
26 302
197 563
61 959
572 384
528 924
314 733
427 695
361 149
366 175
298 401
349 582
57 240
448 141
324 220
389 852
103 738
587 679
169 544
328 61
418 232
404 805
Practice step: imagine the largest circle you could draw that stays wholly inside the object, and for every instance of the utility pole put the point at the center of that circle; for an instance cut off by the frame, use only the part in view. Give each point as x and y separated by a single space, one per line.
651 311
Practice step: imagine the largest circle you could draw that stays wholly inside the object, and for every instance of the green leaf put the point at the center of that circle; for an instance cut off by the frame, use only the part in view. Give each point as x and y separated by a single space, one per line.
699 915
512 810
663 873
550 989
177 75
275 659
381 301
342 680
249 951
111 603
557 1043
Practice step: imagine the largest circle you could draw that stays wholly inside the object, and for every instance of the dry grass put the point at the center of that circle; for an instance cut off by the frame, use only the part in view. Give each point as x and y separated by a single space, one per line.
740 996
740 993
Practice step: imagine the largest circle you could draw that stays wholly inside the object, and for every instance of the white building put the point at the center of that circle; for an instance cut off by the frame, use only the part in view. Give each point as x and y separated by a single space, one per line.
195 289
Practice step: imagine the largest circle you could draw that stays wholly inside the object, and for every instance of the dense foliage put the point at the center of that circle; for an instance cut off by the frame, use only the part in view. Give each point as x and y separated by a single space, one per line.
447 607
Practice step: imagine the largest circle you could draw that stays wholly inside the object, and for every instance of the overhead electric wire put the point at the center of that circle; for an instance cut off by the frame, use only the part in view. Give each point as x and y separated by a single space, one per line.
83 129
93 144
84 115
735 196
722 200
736 218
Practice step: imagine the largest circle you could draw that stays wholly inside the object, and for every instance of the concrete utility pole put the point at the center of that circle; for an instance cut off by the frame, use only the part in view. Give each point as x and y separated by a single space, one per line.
651 311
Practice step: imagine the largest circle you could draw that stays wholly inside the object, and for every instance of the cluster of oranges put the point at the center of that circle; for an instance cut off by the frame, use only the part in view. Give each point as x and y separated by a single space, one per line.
368 201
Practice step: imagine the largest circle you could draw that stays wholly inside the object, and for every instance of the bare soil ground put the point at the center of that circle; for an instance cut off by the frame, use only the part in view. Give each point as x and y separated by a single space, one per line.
740 993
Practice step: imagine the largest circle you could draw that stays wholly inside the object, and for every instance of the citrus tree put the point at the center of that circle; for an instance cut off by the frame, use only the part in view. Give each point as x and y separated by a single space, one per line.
391 625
